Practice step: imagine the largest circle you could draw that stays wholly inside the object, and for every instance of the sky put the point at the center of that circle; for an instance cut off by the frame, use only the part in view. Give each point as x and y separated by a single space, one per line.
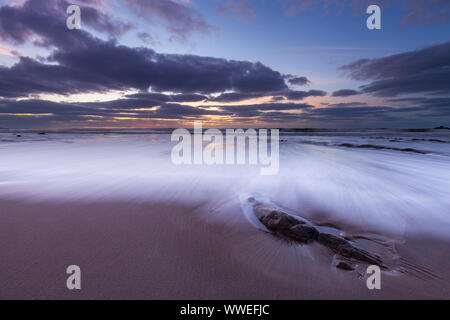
230 63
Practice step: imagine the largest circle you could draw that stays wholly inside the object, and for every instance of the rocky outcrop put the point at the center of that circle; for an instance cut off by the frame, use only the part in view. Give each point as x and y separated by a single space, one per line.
347 250
294 229
344 266
285 225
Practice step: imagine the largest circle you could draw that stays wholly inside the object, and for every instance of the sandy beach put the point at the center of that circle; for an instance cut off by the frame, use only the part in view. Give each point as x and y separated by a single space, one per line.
149 251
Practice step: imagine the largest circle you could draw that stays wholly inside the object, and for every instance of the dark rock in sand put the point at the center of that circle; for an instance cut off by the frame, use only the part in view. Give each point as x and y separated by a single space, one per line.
285 225
302 233
278 221
42 133
18 136
331 241
346 249
442 128
293 229
344 266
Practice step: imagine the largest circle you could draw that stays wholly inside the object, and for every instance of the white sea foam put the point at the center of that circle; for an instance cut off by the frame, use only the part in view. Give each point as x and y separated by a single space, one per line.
391 190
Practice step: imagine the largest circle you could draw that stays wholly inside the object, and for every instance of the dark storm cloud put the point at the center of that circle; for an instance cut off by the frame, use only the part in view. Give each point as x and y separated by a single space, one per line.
429 106
143 68
79 62
166 97
124 104
101 21
188 97
346 113
268 106
29 76
429 102
235 96
298 81
345 93
128 109
147 38
44 22
422 71
280 117
299 95
132 108
117 108
280 95
89 68
83 63
41 107
347 104
150 96
180 111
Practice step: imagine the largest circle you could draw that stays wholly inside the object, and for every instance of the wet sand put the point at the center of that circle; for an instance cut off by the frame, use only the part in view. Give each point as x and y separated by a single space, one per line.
130 250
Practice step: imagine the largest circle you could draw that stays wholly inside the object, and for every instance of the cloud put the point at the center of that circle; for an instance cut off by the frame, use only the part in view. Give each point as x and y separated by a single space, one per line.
267 107
29 76
417 11
124 67
166 98
133 108
293 7
143 105
347 104
235 96
238 9
298 81
299 95
179 19
145 108
348 113
147 38
76 111
425 70
427 12
44 23
345 93
279 95
101 21
424 102
81 62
